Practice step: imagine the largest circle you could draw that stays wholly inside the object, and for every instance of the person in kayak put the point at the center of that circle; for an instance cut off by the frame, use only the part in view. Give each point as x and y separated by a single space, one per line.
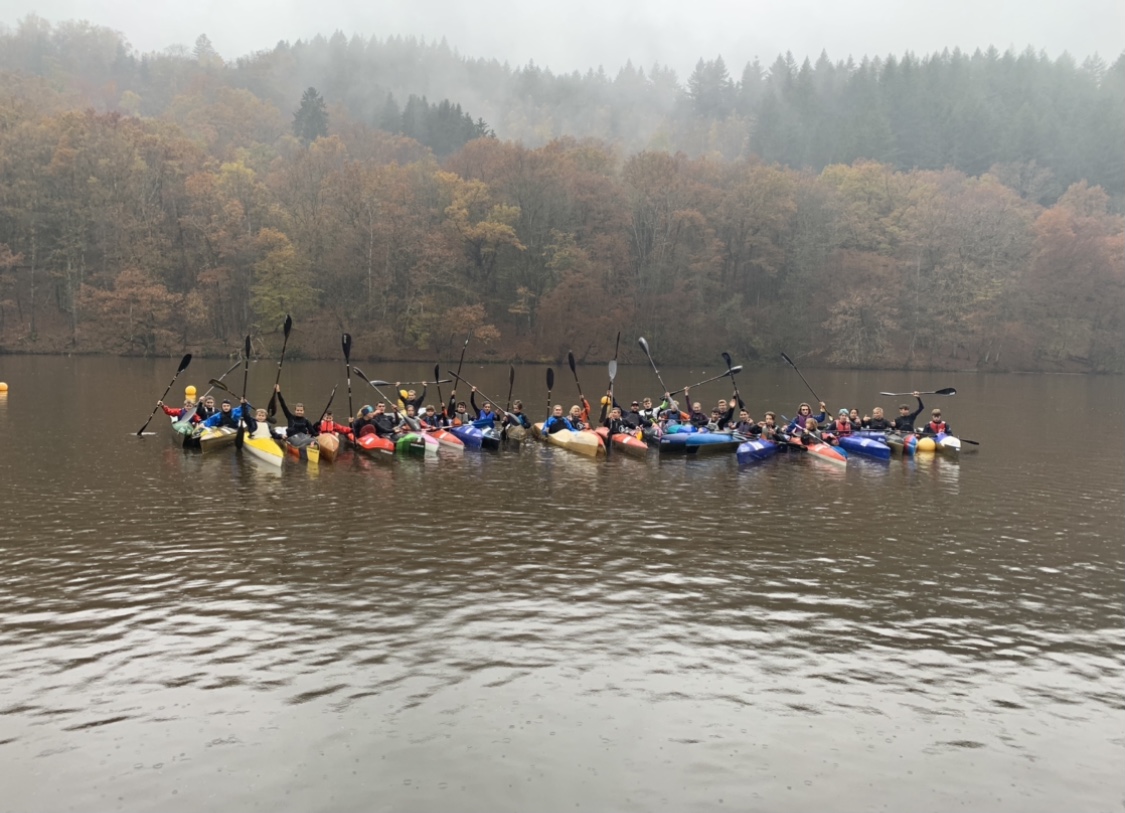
936 425
226 416
745 425
904 423
410 397
188 410
842 426
696 417
804 415
327 425
409 421
257 423
385 425
516 416
486 418
363 423
299 430
614 422
557 421
876 421
649 414
769 428
579 416
430 418
459 414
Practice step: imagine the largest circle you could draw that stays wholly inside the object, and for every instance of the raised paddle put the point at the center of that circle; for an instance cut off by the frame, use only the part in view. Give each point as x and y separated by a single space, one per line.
245 379
789 361
946 391
425 383
346 344
574 372
213 382
612 375
375 384
729 372
437 380
272 408
184 362
550 386
644 346
485 397
511 383
327 406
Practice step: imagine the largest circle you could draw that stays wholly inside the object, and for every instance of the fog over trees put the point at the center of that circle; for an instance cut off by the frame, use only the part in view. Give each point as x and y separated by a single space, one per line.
950 210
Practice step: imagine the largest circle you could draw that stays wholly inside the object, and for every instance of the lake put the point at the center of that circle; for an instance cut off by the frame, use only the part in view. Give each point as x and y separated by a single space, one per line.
534 630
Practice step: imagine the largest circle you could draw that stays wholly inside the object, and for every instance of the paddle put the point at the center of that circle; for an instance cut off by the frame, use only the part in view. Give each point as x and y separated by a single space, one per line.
272 408
184 362
729 372
612 375
486 398
327 406
245 379
644 346
511 383
789 361
425 383
946 391
550 386
213 382
437 380
346 344
574 371
375 384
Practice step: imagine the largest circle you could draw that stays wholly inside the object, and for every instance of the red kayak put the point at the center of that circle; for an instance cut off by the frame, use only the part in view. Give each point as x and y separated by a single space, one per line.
372 444
624 442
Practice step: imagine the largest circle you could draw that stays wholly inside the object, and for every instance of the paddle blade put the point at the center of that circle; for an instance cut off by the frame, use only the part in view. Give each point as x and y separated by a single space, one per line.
736 369
570 361
644 346
550 379
288 325
726 358
437 373
612 370
788 360
946 391
346 344
184 362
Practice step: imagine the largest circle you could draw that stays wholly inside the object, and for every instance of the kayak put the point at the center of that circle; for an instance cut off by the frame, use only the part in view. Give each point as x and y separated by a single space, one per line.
866 447
584 442
941 442
303 447
470 436
329 445
703 443
902 445
265 449
490 438
410 443
754 450
216 437
821 451
446 439
514 434
374 445
625 442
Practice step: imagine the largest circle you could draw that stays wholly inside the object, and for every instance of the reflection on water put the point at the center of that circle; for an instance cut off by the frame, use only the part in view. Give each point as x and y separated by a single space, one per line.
534 630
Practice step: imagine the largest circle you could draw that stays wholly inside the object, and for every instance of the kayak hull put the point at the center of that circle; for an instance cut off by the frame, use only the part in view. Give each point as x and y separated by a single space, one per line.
866 447
755 451
585 442
625 443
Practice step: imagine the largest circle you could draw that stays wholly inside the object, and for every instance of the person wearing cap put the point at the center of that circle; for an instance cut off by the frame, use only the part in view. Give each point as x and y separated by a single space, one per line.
842 426
226 416
633 418
363 423
936 425
904 423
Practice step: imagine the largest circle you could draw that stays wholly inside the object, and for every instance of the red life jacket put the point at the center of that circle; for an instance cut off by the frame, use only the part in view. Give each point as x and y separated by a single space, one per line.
937 427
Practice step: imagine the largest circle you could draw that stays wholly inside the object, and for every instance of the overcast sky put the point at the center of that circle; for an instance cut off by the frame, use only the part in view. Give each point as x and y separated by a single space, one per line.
581 34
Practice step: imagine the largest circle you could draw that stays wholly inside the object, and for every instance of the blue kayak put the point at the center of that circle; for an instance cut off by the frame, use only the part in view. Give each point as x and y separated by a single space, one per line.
700 443
469 435
751 451
866 447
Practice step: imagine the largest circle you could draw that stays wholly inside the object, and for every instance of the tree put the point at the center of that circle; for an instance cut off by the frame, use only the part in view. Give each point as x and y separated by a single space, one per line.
310 122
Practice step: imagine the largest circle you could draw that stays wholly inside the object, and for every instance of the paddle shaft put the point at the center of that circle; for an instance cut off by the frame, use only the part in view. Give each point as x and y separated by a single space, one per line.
184 362
789 361
327 406
644 346
730 372
272 407
550 386
946 391
470 384
346 344
245 380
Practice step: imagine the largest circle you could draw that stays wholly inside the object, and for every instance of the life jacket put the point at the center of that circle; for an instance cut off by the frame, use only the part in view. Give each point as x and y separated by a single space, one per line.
937 427
843 427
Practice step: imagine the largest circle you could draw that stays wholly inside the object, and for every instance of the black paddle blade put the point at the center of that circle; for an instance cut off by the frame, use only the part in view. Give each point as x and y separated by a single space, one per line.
217 384
346 344
288 325
726 358
946 391
184 362
570 361
437 372
788 360
550 379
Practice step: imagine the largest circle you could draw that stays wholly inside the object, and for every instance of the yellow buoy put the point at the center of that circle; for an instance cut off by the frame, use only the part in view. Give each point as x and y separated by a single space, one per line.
3 387
189 392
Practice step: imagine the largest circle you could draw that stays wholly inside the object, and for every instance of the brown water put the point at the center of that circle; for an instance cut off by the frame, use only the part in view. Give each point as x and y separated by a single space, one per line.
537 631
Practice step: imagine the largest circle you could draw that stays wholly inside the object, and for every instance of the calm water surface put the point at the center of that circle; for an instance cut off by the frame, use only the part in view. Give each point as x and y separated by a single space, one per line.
536 631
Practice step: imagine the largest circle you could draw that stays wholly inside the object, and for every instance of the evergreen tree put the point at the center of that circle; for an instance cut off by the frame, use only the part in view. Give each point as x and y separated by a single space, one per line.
310 122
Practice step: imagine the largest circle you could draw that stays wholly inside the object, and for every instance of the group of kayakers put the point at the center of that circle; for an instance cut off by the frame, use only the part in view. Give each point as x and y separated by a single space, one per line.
642 418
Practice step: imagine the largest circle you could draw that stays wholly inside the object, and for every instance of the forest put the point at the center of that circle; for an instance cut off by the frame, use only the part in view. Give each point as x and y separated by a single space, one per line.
955 211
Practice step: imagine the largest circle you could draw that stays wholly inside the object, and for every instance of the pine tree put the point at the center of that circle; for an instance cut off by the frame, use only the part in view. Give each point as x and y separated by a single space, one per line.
310 122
